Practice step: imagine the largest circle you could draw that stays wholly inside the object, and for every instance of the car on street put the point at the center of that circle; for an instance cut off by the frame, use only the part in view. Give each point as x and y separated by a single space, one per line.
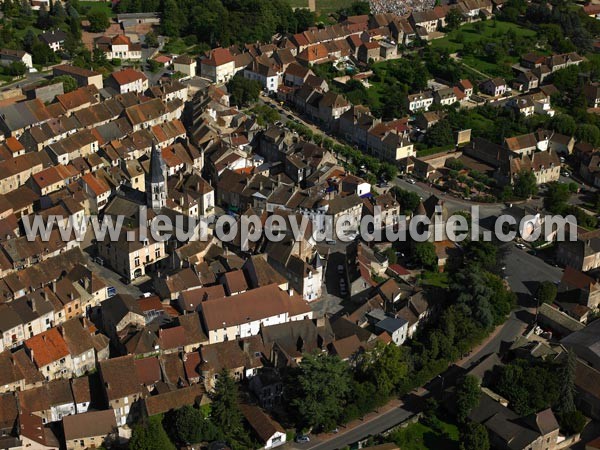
331 241
302 439
521 246
340 269
411 181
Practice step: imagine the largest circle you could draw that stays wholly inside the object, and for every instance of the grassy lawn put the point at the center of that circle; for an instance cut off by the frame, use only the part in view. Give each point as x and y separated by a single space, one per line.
435 279
93 6
324 7
492 29
421 437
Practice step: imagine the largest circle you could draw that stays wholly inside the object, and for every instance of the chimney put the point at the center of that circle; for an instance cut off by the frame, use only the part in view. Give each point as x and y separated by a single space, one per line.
290 292
246 346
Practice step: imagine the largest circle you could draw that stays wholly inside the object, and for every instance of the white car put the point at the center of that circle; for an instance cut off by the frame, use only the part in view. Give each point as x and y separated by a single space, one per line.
411 181
521 246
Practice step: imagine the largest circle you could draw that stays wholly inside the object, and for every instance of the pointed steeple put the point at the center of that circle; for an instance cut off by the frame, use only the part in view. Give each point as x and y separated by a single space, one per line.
156 183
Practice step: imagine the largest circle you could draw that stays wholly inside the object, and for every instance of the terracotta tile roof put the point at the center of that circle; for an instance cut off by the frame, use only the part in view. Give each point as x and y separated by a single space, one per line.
127 76
218 57
97 185
47 347
148 370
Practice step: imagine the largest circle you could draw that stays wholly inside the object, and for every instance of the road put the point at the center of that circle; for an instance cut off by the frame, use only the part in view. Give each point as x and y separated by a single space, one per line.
379 424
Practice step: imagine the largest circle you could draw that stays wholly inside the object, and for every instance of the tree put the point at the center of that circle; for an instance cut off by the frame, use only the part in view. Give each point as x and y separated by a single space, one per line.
546 292
225 411
319 390
468 393
526 184
572 422
17 69
440 135
567 387
150 435
153 65
187 425
42 54
383 365
151 40
454 19
172 20
557 197
409 201
425 255
243 90
69 83
588 133
474 436
99 20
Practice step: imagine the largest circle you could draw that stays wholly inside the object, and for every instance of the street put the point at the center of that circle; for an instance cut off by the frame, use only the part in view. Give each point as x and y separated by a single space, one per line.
379 424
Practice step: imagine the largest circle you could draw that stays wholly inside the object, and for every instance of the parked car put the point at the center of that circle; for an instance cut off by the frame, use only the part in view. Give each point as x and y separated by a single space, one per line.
302 439
331 241
340 269
411 181
521 246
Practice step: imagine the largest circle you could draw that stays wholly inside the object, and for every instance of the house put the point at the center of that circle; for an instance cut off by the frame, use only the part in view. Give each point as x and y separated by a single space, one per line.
421 101
219 67
369 51
55 39
494 87
120 312
84 77
129 80
580 287
119 47
588 394
90 430
81 346
122 393
132 258
265 72
16 118
97 189
50 353
592 94
526 81
508 431
269 432
582 254
34 434
444 96
466 87
544 165
185 65
9 56
242 315
523 105
241 359
396 327
428 20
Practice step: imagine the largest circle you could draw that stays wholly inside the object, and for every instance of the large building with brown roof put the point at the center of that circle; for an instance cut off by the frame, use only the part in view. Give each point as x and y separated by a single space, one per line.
242 315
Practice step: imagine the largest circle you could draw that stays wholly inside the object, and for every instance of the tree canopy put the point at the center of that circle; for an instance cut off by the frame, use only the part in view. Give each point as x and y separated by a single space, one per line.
320 388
